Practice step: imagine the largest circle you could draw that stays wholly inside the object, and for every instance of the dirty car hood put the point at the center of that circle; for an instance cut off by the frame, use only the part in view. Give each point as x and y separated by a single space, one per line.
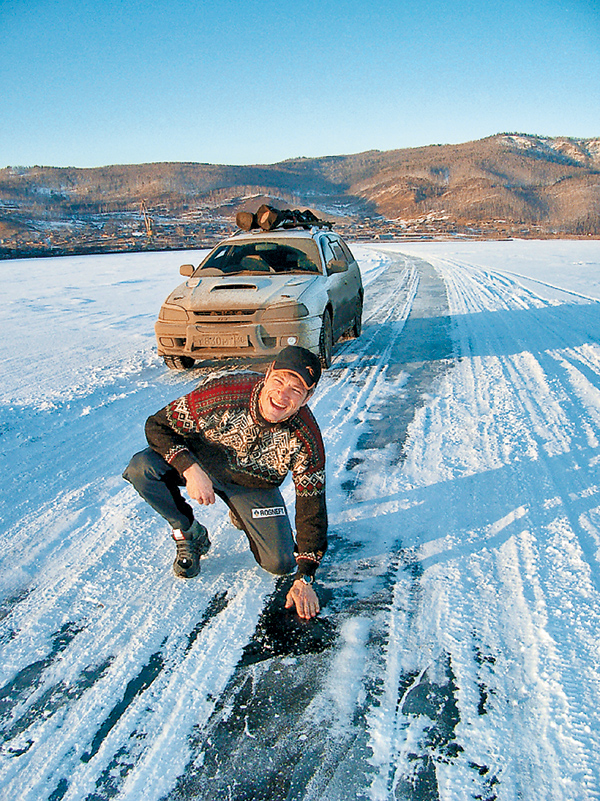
242 291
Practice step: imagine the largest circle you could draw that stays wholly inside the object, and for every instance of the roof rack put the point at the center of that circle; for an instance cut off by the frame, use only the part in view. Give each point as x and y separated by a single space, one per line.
269 218
305 225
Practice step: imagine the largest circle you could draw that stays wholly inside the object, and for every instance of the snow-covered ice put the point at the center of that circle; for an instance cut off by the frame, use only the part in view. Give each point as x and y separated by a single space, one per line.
459 649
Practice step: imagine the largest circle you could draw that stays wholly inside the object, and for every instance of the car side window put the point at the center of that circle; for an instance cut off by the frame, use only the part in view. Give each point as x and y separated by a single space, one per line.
347 252
338 252
328 253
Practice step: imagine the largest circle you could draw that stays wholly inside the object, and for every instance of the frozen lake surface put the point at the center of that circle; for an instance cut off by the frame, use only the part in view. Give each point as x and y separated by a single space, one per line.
457 655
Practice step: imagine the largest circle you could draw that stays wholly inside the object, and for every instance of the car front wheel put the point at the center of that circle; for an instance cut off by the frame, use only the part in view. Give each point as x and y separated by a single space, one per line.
326 340
179 362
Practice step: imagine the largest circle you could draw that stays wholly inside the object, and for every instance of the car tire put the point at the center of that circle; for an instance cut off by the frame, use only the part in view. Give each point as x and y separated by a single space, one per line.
357 325
326 340
179 362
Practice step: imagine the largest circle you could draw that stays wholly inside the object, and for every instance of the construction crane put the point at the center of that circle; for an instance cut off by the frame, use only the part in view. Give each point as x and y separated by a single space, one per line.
147 218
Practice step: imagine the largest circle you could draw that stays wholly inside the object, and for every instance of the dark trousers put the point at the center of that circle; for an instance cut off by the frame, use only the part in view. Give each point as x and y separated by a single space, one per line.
261 512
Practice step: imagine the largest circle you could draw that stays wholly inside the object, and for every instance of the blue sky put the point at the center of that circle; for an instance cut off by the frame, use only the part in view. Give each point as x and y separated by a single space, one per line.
92 83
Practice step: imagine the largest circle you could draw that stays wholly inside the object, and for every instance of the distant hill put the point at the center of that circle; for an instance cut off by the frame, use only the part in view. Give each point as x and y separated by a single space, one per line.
504 184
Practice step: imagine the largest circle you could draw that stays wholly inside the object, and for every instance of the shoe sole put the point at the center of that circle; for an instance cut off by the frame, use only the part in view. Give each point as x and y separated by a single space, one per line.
185 575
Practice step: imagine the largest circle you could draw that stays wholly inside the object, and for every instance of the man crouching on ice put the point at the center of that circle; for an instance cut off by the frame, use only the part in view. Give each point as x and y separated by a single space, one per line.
237 436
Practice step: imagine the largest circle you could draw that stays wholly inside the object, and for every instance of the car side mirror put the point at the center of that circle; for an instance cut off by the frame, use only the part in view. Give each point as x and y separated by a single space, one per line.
336 266
186 269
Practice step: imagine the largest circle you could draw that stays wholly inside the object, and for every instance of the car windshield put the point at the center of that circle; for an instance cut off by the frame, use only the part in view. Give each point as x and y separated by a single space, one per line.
264 257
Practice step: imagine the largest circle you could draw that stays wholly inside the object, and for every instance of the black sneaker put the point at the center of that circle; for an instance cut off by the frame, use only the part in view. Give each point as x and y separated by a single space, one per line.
191 545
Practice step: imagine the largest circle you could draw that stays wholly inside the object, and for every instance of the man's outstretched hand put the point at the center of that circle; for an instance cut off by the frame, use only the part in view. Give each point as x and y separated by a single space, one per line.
304 598
199 485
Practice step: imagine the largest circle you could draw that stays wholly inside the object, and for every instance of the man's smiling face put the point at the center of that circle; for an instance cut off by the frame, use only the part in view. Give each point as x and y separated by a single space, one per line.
283 393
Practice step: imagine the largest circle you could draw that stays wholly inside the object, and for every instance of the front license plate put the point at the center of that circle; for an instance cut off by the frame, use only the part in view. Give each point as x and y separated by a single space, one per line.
221 341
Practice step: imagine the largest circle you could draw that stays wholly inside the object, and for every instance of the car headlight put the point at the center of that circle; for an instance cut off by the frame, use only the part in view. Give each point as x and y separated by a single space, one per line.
173 314
285 311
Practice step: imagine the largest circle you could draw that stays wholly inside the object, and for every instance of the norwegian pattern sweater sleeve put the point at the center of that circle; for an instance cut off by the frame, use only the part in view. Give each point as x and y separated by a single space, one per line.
308 472
168 441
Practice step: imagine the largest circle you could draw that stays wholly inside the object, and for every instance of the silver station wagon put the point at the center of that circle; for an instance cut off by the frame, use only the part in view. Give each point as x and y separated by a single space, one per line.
257 292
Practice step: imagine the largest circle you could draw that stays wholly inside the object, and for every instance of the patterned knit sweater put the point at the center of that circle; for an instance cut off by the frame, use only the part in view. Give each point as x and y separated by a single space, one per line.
219 425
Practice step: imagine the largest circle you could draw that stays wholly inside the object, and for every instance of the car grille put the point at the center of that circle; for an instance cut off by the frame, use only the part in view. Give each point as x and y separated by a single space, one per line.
212 316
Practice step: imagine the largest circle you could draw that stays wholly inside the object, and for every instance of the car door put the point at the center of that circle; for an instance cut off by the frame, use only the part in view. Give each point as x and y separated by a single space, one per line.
336 288
340 286
354 279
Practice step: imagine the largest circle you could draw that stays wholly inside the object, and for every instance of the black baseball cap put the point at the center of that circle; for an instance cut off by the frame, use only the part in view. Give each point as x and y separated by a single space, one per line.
300 361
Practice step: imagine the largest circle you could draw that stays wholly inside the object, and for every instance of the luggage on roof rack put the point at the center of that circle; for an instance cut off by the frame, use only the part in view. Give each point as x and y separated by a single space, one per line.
268 218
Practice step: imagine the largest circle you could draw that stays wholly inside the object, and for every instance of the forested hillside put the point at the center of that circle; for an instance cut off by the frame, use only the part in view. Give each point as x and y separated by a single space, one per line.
505 184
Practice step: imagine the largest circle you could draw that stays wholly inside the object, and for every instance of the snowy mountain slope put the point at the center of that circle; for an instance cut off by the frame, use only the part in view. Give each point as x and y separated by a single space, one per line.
457 653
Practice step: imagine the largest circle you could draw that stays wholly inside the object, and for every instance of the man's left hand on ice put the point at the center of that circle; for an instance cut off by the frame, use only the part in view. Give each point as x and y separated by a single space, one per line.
304 598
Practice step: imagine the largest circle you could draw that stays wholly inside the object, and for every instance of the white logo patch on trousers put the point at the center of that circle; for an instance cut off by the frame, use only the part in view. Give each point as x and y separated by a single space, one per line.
270 511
